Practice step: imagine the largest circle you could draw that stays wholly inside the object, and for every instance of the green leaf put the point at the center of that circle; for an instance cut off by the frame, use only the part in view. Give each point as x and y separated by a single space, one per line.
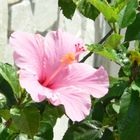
109 13
125 101
129 119
26 120
2 101
136 85
120 4
133 31
128 14
116 107
115 90
52 113
5 113
96 114
108 53
125 71
68 7
88 130
5 134
49 117
110 116
45 131
113 41
87 9
6 90
108 135
9 73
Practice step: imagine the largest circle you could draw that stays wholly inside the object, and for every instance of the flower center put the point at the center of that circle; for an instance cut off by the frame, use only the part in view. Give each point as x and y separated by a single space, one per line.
69 58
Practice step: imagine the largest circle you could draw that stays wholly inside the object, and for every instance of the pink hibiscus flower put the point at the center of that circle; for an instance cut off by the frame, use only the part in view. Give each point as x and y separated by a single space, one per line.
49 69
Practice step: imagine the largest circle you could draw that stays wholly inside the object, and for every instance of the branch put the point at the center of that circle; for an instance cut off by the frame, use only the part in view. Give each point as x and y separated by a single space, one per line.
100 42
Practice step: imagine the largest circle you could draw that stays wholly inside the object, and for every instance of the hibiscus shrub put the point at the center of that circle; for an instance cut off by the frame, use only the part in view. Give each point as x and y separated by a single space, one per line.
49 80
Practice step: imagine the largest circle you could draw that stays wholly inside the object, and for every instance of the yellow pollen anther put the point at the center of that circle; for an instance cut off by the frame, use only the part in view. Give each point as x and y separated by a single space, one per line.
68 58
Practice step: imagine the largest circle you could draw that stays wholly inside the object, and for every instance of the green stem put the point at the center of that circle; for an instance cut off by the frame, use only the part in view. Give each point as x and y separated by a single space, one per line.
115 28
107 3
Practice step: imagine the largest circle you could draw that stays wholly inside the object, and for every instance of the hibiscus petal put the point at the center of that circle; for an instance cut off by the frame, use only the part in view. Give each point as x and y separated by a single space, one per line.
33 87
57 45
28 52
94 82
77 104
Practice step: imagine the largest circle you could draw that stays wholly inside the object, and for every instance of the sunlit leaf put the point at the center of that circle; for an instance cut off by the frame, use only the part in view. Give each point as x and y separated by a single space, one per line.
106 52
113 41
120 4
109 13
128 14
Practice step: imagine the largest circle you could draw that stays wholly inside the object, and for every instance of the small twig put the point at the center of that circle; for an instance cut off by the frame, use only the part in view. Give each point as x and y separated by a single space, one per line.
100 42
106 36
